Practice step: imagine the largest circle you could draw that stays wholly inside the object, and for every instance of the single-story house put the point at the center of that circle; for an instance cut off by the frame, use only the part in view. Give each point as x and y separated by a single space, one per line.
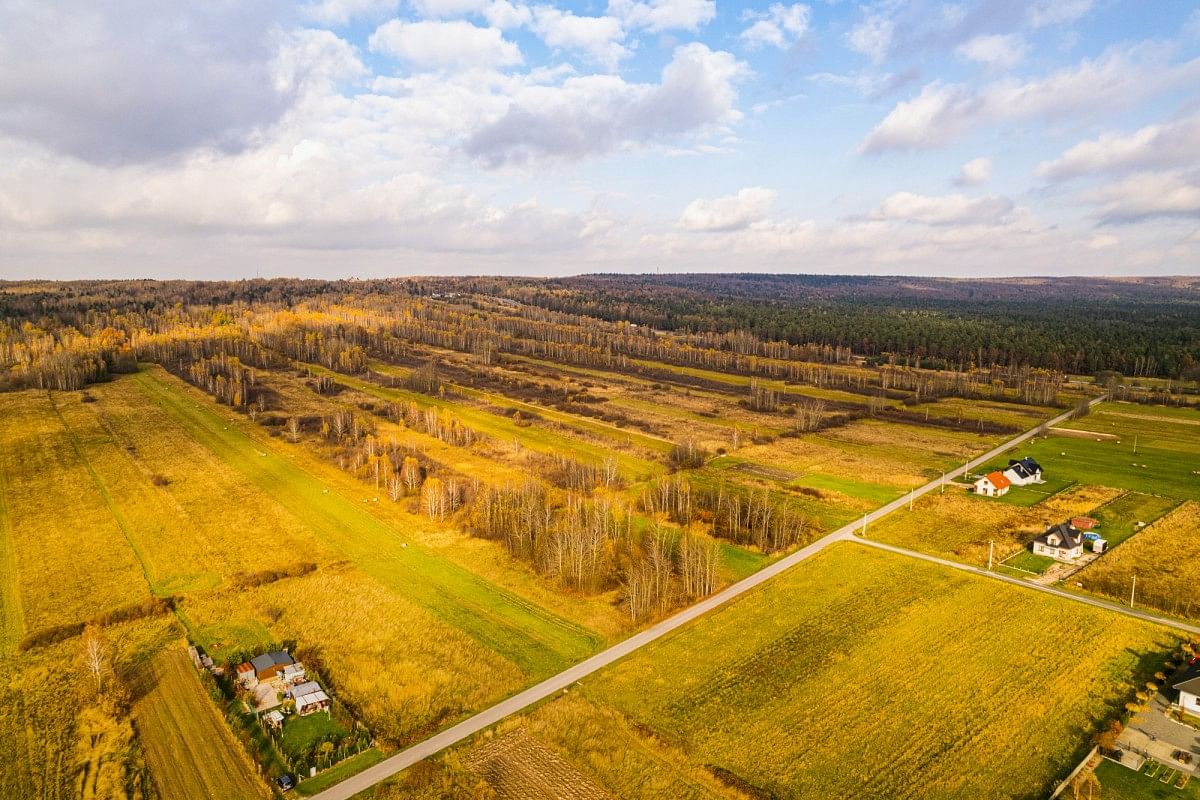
1189 692
313 701
292 673
268 665
1060 542
303 688
994 484
246 676
1023 472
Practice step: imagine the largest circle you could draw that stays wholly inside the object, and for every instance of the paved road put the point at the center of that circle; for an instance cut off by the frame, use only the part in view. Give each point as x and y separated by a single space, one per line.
484 719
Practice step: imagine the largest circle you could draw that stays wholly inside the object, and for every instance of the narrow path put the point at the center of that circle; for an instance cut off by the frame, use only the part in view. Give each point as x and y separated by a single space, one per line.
541 691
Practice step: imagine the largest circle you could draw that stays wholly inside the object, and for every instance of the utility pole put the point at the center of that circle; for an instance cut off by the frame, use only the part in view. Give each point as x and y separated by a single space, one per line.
911 494
943 484
991 549
864 530
1132 589
1135 445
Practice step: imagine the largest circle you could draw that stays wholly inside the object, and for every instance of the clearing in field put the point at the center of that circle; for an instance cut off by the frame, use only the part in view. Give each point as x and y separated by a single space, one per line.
865 674
188 746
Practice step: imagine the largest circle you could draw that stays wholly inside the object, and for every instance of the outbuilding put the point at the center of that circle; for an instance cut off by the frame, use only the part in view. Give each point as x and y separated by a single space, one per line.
268 665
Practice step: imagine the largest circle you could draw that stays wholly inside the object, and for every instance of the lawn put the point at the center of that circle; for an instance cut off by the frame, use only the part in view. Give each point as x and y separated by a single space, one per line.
189 748
1120 783
301 733
1119 519
1026 561
858 646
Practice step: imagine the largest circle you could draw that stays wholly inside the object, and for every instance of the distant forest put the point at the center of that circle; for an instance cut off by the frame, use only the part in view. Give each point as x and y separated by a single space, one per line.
1137 327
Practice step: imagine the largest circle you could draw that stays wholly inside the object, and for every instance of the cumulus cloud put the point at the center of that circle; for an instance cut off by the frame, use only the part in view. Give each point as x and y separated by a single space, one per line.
1170 144
952 209
975 172
1146 196
504 15
942 113
454 44
729 213
126 81
1001 51
662 15
599 38
593 114
779 26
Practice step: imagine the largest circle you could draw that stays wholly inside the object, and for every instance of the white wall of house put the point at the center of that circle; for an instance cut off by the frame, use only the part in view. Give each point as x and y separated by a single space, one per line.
1189 702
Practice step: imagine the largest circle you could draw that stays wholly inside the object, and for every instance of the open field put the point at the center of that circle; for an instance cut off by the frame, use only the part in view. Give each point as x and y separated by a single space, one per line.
849 648
188 746
1166 559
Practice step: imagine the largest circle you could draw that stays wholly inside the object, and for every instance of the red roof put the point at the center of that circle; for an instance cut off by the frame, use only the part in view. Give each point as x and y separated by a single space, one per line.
1083 523
245 667
998 480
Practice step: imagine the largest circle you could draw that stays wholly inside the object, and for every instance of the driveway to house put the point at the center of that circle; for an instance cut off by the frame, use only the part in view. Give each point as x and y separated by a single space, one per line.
558 683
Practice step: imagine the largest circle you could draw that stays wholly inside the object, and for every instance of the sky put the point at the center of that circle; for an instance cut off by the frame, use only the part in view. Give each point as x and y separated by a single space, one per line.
370 138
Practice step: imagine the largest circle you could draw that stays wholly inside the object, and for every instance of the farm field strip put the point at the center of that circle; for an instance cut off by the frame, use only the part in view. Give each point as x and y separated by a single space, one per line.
531 637
50 498
188 746
501 428
776 680
12 620
596 427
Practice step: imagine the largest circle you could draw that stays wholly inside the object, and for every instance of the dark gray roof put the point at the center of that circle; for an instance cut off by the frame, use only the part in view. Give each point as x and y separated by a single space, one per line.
1070 536
1190 682
262 662
280 657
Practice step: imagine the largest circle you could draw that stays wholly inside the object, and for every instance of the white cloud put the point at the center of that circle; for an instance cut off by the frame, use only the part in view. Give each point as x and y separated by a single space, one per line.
1103 241
1057 12
340 12
599 38
975 172
872 37
504 15
662 15
593 114
952 209
1146 196
729 213
1001 51
779 26
1169 144
444 45
942 113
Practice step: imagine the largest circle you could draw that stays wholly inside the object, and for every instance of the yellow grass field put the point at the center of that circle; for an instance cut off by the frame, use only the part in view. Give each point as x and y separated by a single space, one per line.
859 674
1166 558
187 745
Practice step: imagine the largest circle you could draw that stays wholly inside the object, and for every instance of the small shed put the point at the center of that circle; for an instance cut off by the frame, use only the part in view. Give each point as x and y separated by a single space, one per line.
273 719
246 675
292 673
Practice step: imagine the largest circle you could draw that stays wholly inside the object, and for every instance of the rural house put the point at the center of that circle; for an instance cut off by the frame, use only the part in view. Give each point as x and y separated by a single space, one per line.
245 675
268 665
1189 693
292 673
303 688
313 701
994 484
1061 542
1023 472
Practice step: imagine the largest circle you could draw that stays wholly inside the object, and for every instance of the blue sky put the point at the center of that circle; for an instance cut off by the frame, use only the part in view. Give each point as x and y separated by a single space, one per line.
376 137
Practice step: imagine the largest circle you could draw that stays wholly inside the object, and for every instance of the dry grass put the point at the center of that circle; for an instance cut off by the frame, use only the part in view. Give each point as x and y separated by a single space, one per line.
402 669
960 525
519 767
187 745
1165 556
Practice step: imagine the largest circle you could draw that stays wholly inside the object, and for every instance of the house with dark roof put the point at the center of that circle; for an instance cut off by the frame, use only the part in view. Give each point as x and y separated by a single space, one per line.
1189 692
1023 472
268 665
1061 542
994 484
